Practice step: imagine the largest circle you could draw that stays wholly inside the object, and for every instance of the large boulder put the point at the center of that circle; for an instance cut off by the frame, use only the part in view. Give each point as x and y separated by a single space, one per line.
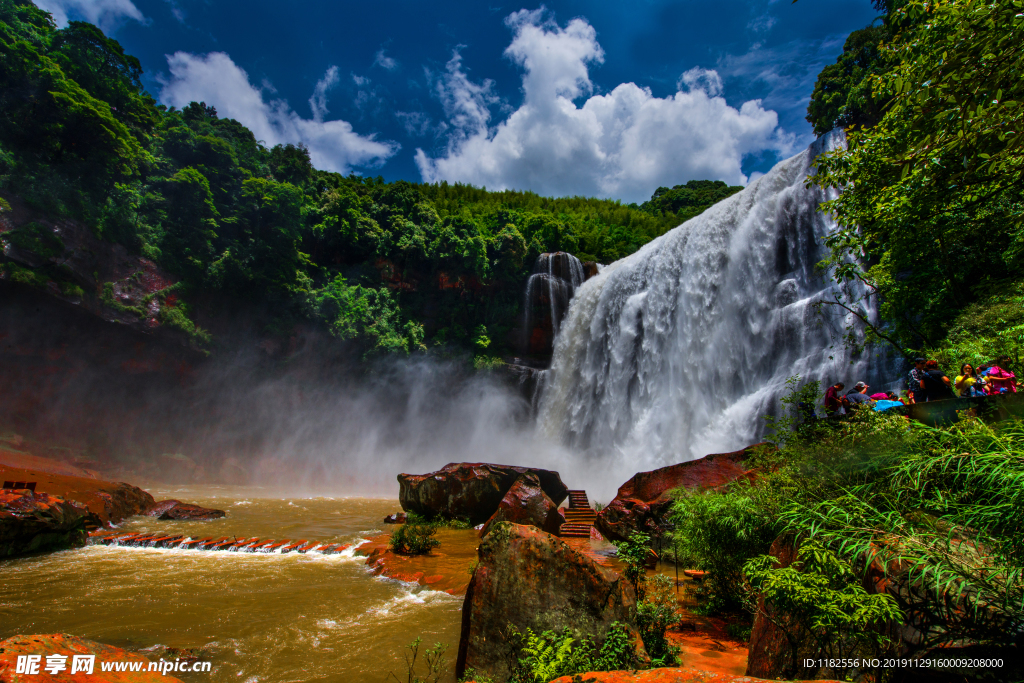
528 578
175 509
643 502
66 648
471 491
526 503
33 522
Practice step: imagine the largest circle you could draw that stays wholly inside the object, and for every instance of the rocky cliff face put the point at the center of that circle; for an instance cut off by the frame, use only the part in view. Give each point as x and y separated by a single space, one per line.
34 522
63 259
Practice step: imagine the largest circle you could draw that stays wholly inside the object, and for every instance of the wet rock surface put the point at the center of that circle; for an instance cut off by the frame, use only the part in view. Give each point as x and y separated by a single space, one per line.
175 509
396 518
446 568
526 503
531 579
68 646
33 522
471 491
643 502
107 502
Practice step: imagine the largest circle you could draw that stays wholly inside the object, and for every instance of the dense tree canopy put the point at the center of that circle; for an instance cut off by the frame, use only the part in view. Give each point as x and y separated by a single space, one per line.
397 265
931 209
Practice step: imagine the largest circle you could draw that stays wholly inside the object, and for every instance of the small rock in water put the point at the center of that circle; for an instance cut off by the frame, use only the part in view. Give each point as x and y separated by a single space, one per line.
395 518
175 509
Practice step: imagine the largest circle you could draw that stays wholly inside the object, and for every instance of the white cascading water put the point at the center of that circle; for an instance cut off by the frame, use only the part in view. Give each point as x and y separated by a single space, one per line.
679 349
556 276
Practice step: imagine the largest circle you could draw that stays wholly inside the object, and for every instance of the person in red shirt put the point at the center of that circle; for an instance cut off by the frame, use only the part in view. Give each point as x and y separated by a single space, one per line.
834 399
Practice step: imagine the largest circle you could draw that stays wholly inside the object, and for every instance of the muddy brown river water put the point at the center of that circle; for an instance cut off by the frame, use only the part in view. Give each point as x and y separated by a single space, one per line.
257 617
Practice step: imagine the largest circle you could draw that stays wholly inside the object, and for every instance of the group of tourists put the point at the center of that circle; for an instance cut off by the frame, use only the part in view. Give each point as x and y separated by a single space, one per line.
927 382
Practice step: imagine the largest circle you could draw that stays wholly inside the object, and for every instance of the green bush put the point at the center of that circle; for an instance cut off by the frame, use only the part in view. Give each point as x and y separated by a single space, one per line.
541 657
414 539
819 601
655 614
718 531
633 553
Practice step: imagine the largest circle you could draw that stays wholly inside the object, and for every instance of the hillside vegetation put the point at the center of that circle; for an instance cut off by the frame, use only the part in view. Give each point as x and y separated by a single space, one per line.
395 266
933 205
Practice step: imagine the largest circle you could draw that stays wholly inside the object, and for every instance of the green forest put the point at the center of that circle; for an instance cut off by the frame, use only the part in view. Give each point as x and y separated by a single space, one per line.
395 267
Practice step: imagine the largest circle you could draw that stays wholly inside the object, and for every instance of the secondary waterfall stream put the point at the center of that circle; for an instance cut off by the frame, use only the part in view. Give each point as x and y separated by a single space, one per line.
677 350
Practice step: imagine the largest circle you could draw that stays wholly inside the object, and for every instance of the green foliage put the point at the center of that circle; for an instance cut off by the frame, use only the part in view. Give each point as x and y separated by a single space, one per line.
842 96
633 553
942 519
689 200
414 539
798 410
433 663
542 657
819 601
931 211
35 238
440 521
655 614
718 531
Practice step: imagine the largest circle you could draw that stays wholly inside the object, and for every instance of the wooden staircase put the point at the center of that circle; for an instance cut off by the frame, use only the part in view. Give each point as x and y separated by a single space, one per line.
579 516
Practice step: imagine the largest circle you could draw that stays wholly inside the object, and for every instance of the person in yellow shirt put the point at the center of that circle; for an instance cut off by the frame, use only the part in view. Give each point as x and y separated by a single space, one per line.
967 382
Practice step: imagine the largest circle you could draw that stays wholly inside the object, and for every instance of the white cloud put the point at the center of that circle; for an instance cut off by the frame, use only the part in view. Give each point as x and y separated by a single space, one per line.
318 102
622 144
788 71
382 60
697 78
107 14
215 79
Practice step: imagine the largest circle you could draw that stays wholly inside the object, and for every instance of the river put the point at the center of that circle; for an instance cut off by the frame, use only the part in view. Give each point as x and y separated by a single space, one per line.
256 617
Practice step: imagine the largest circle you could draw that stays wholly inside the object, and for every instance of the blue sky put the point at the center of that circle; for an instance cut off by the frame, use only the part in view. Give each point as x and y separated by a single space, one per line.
596 98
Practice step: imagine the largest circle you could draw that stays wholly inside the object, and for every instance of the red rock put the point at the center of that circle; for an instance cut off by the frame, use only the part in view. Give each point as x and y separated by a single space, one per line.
469 491
530 579
69 646
174 509
526 503
684 675
643 502
32 522
161 507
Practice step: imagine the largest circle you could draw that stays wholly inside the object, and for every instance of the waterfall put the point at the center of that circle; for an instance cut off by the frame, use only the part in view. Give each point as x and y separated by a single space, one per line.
550 288
679 349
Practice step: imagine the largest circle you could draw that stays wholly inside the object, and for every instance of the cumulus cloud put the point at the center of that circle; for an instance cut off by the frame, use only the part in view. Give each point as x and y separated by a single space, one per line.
622 144
697 78
107 14
215 79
